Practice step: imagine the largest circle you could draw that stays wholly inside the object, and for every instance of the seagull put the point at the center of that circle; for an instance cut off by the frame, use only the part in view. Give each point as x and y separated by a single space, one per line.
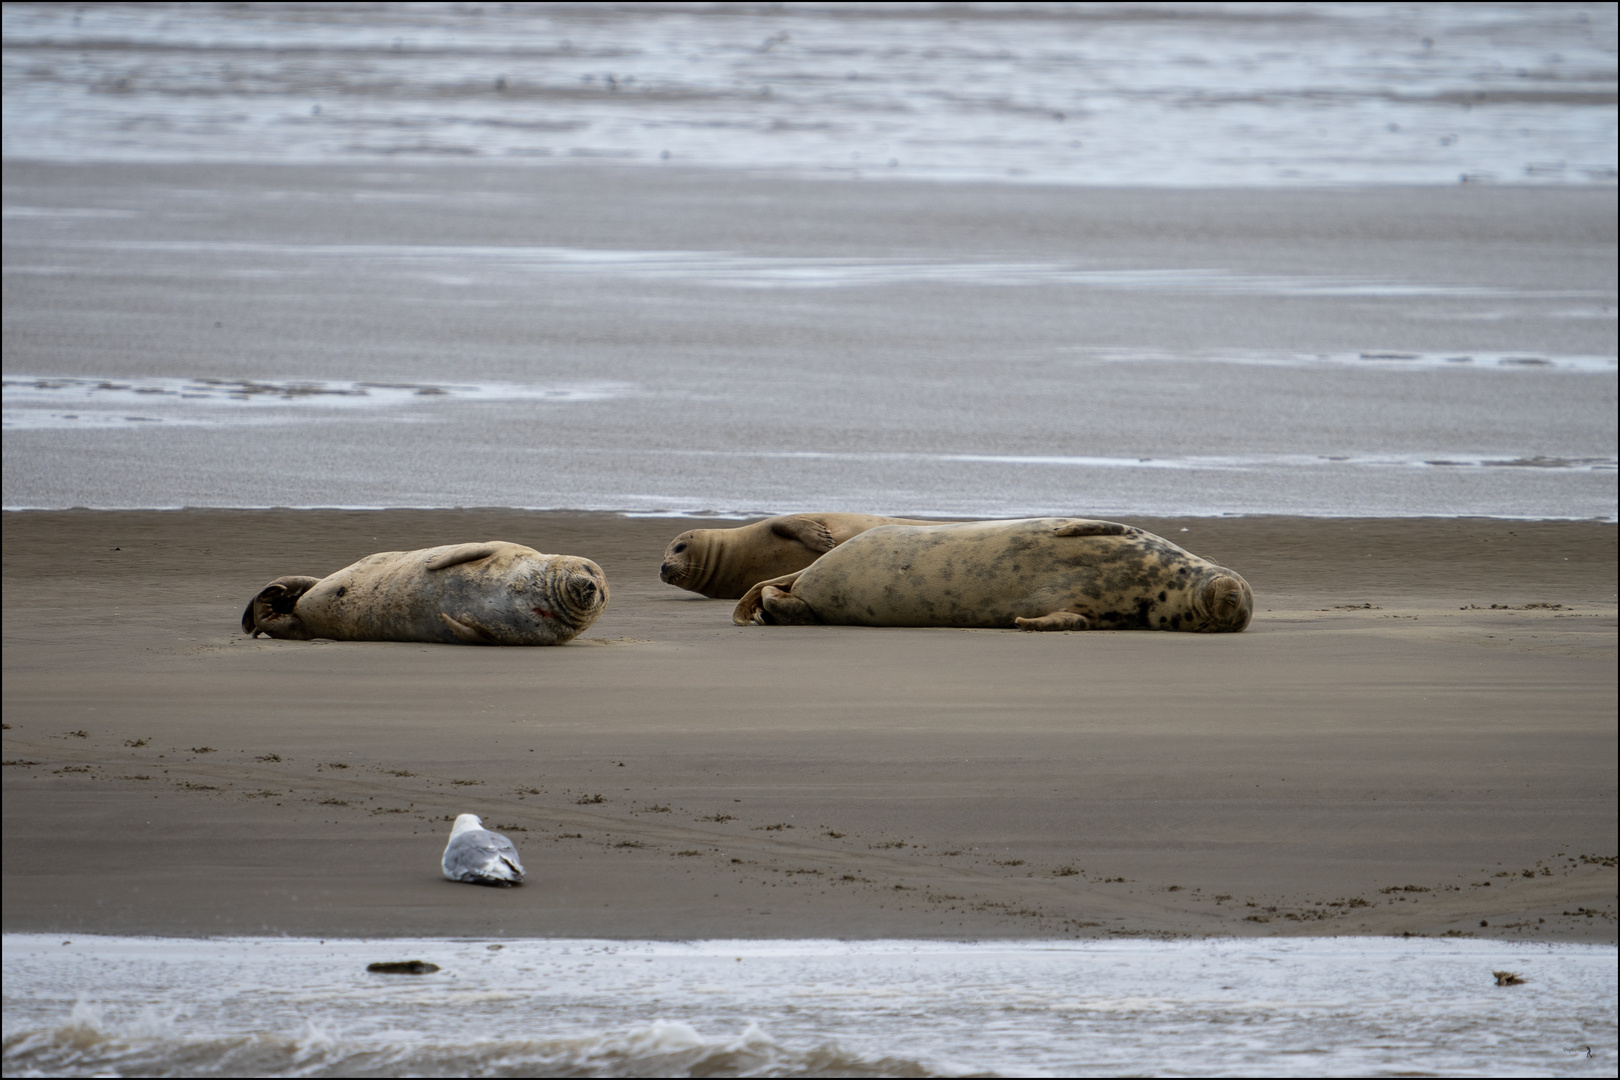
479 856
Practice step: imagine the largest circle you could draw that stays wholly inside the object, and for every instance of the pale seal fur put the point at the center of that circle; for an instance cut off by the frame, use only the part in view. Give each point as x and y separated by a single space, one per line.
724 563
494 593
1032 573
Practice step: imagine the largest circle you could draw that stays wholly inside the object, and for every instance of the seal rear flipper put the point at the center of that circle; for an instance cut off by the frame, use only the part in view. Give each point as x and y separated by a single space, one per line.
462 553
468 631
784 609
1056 620
273 612
811 532
1087 527
748 609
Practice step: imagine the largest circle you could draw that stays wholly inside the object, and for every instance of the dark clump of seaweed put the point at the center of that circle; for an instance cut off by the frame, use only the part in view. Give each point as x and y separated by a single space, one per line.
402 967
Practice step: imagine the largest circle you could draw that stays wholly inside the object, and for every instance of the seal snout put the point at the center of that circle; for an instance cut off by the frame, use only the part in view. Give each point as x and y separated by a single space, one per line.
584 592
673 570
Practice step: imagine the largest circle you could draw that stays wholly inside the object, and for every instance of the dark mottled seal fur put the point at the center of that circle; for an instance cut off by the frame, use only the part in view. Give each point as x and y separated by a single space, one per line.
492 593
723 563
1033 573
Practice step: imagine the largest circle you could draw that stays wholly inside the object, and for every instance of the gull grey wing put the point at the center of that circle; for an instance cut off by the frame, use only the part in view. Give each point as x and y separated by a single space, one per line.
481 855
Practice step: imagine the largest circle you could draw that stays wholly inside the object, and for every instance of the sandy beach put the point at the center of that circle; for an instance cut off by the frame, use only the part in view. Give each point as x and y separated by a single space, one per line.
1324 293
1382 752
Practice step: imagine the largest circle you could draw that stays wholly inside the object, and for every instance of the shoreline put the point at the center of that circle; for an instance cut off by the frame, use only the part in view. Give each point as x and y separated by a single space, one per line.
755 515
1380 754
275 1006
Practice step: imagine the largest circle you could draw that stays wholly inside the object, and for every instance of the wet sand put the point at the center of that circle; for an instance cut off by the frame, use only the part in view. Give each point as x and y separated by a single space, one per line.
1427 764
740 343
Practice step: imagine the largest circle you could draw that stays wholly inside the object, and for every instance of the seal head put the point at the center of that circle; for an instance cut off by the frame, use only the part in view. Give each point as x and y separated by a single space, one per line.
684 563
581 592
1222 604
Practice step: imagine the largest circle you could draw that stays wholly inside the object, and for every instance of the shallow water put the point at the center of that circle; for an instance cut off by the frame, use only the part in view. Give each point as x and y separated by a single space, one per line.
1497 435
1109 93
378 328
144 1006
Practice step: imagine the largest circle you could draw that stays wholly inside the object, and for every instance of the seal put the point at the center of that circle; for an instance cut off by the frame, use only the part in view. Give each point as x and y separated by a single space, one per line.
1032 573
724 563
494 593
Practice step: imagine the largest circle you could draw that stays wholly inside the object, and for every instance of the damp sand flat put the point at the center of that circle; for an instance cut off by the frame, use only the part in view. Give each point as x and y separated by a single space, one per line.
1426 764
111 1006
690 340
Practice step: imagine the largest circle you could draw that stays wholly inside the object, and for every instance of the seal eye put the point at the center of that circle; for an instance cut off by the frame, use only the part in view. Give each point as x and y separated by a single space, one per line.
679 548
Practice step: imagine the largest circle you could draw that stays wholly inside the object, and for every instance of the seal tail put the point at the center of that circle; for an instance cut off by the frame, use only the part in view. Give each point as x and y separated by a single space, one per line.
750 610
272 610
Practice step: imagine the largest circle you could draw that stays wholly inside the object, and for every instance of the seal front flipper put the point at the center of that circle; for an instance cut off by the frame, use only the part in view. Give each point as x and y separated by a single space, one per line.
468 631
1087 527
811 532
1056 620
750 610
462 553
272 611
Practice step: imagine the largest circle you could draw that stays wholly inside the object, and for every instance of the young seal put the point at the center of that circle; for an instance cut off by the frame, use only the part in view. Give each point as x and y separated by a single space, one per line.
724 563
1032 573
493 593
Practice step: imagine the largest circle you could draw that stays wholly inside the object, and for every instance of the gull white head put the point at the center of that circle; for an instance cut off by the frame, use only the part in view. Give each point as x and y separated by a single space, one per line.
465 823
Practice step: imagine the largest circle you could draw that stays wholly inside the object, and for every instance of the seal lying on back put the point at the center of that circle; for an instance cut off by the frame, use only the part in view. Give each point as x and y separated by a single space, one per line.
493 593
723 563
1032 573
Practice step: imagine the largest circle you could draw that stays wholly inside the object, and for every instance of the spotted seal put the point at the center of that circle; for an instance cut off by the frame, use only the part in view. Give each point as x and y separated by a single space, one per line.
493 593
1032 573
723 563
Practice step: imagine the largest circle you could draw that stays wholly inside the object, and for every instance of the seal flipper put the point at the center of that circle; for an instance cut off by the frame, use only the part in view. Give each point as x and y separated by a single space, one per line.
462 553
748 611
782 608
811 532
1056 620
1087 527
273 611
468 631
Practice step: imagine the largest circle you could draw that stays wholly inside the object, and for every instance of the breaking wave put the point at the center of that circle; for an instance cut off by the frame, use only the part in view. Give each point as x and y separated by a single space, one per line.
89 1044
